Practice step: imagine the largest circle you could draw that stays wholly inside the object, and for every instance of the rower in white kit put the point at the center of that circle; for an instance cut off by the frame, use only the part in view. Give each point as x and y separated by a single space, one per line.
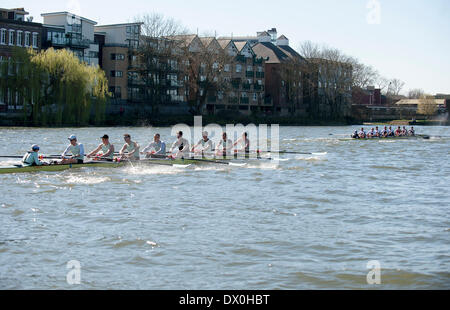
131 148
204 146
180 147
76 150
107 150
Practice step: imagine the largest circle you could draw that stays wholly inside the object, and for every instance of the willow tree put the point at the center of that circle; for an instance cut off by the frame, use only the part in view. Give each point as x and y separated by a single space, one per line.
54 87
68 88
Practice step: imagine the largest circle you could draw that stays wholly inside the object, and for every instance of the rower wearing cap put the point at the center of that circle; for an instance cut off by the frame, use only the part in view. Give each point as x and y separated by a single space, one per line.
224 147
181 145
32 157
131 147
205 145
77 151
106 148
156 149
245 144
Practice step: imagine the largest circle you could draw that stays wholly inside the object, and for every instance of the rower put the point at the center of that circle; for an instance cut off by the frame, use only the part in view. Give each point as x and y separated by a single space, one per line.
355 135
205 145
404 131
377 132
32 158
384 132
245 144
362 134
77 151
131 147
391 132
398 132
181 145
371 133
106 148
224 147
412 132
156 149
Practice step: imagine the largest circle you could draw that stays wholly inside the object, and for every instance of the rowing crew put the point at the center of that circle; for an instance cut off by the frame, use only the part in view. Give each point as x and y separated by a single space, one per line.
74 153
386 132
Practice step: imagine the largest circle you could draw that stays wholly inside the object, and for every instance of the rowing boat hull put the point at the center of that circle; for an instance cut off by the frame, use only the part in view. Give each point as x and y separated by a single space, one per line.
389 138
149 162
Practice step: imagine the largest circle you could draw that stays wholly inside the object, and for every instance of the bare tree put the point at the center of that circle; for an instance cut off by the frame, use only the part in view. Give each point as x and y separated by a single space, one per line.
155 70
416 93
427 106
203 70
382 83
395 87
329 79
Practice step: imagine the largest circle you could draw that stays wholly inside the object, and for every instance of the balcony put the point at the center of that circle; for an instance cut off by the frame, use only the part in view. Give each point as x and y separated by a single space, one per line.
250 74
232 100
69 42
259 74
257 87
245 100
246 86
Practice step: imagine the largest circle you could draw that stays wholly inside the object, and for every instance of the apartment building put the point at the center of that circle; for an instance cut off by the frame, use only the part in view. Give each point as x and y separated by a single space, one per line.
118 44
245 74
15 31
64 30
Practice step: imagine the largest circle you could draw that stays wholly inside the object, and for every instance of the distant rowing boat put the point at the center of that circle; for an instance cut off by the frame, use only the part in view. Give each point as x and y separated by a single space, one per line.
425 137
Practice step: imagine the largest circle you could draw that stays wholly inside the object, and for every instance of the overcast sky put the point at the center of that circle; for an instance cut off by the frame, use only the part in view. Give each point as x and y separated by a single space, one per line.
405 39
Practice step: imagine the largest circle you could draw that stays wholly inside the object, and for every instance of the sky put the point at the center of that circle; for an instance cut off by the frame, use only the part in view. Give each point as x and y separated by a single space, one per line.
404 39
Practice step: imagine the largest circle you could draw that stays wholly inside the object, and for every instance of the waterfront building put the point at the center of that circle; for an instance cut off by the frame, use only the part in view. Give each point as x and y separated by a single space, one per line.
16 31
118 44
64 30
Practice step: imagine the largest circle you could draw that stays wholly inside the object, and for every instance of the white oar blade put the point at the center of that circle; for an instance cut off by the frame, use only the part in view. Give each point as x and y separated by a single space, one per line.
182 166
237 165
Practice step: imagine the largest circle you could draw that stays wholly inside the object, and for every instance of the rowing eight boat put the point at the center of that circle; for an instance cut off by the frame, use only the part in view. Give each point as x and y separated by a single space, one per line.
105 164
425 137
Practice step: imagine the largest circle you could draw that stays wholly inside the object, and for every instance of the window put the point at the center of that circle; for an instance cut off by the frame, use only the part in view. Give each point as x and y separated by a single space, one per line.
255 97
3 37
227 68
116 73
260 82
19 38
35 39
117 56
249 68
238 68
260 69
27 39
11 37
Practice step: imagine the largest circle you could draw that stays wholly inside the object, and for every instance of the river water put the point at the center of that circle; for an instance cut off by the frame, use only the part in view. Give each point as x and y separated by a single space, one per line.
310 222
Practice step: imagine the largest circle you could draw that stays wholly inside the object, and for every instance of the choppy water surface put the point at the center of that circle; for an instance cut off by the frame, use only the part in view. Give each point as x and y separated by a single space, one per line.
313 222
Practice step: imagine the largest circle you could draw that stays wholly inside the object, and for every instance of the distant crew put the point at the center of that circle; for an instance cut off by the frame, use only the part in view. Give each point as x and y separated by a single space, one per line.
32 158
106 148
76 150
385 133
362 134
156 149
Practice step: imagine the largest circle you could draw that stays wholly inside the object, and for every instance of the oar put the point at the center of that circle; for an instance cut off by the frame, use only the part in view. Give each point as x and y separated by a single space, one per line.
20 157
288 152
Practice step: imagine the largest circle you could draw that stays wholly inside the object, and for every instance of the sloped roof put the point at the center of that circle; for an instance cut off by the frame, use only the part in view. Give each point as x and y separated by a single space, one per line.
270 51
290 52
187 39
224 42
282 37
240 45
206 40
418 101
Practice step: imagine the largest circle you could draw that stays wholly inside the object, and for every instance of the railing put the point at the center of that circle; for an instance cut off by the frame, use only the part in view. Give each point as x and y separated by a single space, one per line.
233 100
249 74
245 100
82 43
246 86
259 74
257 87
